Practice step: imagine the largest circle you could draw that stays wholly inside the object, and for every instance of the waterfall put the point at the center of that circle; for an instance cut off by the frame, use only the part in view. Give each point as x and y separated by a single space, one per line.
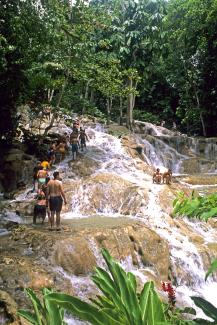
112 159
119 185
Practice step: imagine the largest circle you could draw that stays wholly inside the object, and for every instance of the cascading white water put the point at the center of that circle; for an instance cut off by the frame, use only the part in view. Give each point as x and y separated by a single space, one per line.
112 159
108 152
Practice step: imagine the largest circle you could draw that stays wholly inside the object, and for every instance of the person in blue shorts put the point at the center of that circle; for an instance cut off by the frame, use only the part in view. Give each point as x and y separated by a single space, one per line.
74 144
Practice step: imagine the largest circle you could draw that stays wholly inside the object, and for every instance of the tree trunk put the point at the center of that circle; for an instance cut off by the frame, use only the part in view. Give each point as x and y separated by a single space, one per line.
50 94
121 111
55 113
92 95
86 90
85 95
130 101
109 107
201 115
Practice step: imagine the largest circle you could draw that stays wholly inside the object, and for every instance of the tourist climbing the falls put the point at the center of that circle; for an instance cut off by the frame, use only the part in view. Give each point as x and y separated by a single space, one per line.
35 175
43 192
45 164
83 138
76 126
167 177
41 176
74 144
40 208
55 197
52 153
157 176
61 150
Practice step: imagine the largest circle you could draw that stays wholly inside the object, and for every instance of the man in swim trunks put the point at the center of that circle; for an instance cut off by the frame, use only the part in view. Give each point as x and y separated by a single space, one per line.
55 196
74 144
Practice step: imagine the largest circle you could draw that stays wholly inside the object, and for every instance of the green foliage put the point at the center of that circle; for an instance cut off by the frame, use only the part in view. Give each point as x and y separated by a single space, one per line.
176 315
120 303
104 51
212 268
201 207
45 312
118 133
208 309
146 116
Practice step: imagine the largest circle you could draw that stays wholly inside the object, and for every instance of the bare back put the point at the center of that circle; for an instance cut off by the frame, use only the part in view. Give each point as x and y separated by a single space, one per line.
54 188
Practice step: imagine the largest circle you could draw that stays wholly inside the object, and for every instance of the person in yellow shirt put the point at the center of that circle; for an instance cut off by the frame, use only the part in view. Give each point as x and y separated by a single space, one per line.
45 164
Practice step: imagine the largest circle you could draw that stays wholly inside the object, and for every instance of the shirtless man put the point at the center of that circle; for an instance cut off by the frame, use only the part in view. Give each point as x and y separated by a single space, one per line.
55 197
157 176
167 177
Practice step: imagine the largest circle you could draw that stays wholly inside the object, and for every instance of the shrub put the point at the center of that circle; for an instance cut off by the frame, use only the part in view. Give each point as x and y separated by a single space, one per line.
201 207
45 312
120 304
145 116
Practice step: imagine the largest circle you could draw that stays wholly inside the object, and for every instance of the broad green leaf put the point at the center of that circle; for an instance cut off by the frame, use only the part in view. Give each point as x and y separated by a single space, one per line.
80 309
144 299
201 321
212 268
30 317
188 310
38 308
208 309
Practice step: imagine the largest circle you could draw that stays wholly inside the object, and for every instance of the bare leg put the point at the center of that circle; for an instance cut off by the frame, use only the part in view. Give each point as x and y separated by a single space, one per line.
52 219
34 218
49 216
58 220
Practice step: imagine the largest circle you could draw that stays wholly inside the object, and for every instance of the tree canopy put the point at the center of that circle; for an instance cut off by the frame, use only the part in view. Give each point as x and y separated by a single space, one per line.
147 59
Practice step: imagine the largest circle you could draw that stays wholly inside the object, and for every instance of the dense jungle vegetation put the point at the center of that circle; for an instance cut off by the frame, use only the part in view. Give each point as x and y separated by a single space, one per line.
151 60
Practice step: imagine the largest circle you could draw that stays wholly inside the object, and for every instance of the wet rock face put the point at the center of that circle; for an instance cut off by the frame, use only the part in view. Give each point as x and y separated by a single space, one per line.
74 256
32 257
105 193
84 166
18 170
142 245
8 309
198 165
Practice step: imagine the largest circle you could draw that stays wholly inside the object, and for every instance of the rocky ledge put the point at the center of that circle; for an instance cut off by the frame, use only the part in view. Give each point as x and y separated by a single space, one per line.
36 257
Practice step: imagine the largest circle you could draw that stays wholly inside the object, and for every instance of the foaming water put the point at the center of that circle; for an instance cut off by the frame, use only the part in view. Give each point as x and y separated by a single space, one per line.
185 257
187 264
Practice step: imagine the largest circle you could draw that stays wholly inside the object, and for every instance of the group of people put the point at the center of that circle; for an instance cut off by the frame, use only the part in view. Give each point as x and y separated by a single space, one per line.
50 197
76 140
164 178
50 194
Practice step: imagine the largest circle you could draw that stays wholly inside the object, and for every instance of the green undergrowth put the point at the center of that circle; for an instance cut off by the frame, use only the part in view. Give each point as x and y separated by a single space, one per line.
195 206
120 302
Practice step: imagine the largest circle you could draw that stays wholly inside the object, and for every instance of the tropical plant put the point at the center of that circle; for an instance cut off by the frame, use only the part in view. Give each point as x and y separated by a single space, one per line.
212 268
208 309
201 207
120 304
45 312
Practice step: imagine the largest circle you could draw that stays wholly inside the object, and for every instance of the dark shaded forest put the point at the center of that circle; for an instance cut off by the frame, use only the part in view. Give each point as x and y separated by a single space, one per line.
115 59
